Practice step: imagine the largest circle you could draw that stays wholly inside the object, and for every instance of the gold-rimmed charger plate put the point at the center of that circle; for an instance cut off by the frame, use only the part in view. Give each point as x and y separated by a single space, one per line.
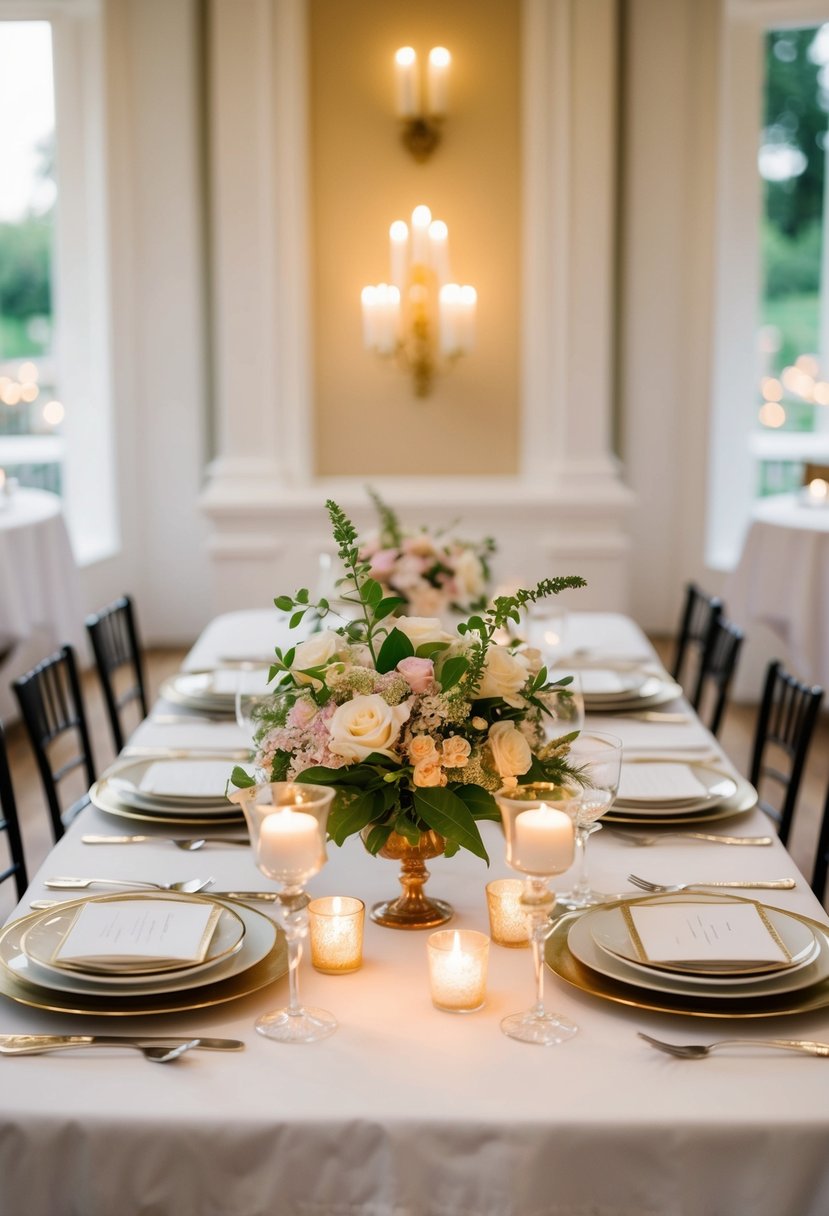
745 799
663 692
563 964
101 796
271 968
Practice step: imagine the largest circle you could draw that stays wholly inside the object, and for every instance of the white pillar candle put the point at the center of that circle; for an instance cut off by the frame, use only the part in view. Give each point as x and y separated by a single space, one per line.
290 844
457 969
449 303
543 841
439 250
336 924
399 251
421 219
407 82
437 80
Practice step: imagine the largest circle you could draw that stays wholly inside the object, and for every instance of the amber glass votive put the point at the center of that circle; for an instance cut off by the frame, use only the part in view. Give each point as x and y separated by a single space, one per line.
336 923
457 969
507 916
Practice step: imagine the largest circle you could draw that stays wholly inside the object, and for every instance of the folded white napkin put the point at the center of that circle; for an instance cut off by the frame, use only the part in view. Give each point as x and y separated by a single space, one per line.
658 782
602 681
187 778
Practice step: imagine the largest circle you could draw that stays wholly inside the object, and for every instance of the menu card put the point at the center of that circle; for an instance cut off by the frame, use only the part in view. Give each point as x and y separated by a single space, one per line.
130 934
710 935
186 778
654 782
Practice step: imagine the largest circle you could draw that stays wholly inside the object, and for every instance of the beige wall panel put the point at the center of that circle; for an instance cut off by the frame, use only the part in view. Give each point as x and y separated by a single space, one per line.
367 419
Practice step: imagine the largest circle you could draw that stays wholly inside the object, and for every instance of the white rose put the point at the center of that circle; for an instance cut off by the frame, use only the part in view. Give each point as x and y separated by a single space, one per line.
510 750
318 650
505 674
422 629
365 725
469 575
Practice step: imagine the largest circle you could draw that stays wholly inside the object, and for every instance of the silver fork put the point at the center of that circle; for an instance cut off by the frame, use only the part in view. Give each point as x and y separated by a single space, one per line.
189 846
698 1051
770 884
191 887
643 840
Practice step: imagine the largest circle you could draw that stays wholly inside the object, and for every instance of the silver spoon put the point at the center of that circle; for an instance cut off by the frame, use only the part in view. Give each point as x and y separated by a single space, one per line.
189 846
190 887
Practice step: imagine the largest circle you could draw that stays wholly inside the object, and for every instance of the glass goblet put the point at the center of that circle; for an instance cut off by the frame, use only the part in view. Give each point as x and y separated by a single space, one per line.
545 627
287 823
538 821
599 757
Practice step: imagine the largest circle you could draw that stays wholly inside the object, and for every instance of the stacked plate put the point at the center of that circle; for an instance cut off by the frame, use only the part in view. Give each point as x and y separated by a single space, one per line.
244 952
214 692
181 791
661 792
600 953
624 688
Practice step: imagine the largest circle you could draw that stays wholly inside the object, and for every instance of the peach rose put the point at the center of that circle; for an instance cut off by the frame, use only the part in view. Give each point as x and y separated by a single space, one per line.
455 752
427 773
422 747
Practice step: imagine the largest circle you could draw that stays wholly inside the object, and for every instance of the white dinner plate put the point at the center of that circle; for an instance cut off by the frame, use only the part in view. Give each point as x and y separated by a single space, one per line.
743 799
719 785
44 937
610 684
213 691
103 796
610 933
126 778
654 691
259 940
582 946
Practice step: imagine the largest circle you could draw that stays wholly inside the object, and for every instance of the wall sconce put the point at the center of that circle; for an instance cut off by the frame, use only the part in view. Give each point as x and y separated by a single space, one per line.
419 316
421 129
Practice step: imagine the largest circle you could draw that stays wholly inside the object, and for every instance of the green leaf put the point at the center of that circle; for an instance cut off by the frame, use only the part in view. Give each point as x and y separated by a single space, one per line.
452 671
372 592
284 603
451 848
445 813
377 837
301 596
387 606
480 803
353 813
408 830
296 618
428 650
319 775
241 779
395 647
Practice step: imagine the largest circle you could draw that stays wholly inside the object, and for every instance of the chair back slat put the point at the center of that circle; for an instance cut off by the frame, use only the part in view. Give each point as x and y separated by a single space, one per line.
113 633
10 824
52 709
699 614
717 669
786 721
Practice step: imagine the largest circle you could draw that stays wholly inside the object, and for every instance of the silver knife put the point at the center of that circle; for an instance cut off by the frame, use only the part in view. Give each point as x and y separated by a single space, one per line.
32 1044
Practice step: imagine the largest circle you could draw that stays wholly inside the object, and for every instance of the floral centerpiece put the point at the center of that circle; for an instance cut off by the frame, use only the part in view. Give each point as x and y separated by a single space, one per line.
431 572
413 727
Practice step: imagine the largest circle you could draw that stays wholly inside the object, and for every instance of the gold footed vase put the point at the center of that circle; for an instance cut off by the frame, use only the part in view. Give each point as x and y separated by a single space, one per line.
412 909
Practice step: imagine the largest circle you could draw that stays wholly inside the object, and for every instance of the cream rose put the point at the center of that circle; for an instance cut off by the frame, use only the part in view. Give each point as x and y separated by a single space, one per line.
422 629
455 752
422 747
510 750
505 675
469 576
365 725
319 649
428 773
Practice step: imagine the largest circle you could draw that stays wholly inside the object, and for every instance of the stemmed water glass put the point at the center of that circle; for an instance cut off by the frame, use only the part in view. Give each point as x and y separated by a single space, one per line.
538 823
564 705
287 822
599 757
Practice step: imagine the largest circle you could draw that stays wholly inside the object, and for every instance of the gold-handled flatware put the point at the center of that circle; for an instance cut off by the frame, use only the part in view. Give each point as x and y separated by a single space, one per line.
768 884
159 1048
642 840
188 845
655 715
191 887
698 1051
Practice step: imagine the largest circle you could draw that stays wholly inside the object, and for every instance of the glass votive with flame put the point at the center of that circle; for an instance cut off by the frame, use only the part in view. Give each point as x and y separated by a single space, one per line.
507 915
458 961
336 923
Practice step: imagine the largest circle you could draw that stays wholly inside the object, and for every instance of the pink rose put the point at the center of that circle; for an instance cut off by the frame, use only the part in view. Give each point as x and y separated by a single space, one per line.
382 563
418 673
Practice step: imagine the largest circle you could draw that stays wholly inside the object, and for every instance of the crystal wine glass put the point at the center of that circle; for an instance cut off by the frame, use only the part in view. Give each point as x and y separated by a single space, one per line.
599 756
252 697
287 823
538 823
564 705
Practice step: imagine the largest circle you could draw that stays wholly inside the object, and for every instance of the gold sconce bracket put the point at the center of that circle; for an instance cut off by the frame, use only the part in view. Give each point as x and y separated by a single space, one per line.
421 136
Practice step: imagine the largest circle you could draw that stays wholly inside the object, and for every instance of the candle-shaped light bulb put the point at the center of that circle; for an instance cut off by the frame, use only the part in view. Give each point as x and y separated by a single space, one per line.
387 318
437 80
421 219
467 304
399 249
439 249
449 303
368 298
407 82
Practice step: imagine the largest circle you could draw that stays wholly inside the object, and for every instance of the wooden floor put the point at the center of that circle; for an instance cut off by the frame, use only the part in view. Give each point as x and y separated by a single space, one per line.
736 737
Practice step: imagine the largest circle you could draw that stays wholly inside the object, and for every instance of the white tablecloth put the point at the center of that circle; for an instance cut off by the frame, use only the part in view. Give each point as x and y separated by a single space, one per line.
407 1111
782 582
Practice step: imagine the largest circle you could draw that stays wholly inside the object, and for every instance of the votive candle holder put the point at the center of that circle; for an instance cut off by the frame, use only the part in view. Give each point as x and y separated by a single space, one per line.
507 914
336 923
458 960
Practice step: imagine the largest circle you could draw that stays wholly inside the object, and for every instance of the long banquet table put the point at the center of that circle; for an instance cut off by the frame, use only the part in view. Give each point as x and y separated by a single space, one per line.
407 1111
